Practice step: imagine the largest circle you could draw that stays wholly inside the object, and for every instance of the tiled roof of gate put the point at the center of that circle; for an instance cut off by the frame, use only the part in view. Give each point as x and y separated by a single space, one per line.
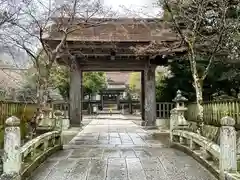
126 29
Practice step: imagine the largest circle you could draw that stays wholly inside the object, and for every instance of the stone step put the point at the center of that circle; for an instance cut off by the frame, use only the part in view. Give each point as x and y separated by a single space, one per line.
107 112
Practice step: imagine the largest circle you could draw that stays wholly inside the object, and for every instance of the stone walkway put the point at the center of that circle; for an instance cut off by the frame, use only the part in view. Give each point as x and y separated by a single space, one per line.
118 149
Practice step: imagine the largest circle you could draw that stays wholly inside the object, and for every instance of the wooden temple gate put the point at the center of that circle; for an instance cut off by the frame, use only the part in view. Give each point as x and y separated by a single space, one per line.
110 47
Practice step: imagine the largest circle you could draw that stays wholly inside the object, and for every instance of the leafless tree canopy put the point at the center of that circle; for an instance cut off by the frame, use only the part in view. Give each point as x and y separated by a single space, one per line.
204 25
24 26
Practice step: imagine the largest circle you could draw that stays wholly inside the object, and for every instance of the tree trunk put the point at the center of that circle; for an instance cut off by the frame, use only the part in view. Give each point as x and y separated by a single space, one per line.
43 94
42 100
199 101
198 89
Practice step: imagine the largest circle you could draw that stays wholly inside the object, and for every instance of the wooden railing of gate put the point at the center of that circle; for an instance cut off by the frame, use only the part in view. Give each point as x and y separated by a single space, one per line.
9 108
163 109
62 106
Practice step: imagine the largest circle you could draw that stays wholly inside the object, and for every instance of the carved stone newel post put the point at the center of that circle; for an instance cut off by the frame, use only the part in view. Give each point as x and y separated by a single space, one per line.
12 144
228 147
59 120
173 122
180 110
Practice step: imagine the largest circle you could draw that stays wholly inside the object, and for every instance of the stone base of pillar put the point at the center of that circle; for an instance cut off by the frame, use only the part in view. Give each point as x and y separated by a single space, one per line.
76 118
150 127
76 125
149 123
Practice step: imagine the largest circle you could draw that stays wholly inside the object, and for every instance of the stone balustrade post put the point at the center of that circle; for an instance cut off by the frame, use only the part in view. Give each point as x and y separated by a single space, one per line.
12 142
192 145
59 120
228 147
173 122
63 120
45 145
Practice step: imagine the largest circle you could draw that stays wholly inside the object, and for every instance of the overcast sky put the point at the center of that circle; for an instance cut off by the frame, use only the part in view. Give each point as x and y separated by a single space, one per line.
128 8
146 8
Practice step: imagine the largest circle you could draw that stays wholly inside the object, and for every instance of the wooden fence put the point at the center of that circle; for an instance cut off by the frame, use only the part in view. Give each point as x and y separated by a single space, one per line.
10 108
214 111
25 110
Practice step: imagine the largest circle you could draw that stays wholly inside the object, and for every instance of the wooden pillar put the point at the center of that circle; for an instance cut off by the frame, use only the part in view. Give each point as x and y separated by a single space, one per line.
75 95
89 104
118 102
102 101
142 97
130 107
150 96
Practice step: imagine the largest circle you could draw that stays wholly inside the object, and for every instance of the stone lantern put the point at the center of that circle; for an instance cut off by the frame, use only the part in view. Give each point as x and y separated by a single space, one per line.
46 112
180 109
180 100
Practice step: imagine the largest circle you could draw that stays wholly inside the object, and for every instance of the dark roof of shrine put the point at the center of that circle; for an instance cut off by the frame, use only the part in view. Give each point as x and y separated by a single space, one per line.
118 78
11 77
122 29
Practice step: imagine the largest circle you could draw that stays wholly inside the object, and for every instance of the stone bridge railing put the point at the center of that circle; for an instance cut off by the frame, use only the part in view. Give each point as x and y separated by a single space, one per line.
19 161
220 159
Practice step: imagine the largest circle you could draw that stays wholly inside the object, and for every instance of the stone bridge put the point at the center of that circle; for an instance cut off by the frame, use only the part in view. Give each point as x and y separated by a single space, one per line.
118 149
115 148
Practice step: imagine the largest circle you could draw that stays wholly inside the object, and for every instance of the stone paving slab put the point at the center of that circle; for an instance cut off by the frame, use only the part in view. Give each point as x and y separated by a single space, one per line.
115 149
